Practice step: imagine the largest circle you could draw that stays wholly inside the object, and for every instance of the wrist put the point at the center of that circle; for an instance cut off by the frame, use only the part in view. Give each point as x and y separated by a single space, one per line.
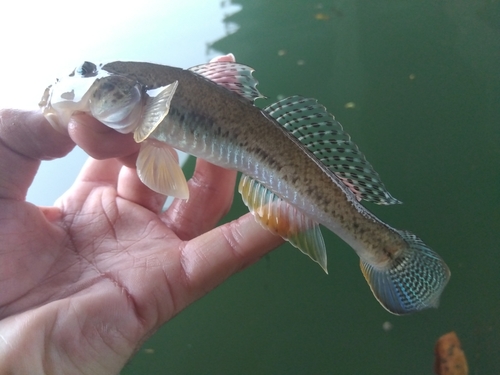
50 340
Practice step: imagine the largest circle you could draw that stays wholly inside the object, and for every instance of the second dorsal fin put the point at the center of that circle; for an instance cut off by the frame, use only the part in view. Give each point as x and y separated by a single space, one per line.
311 124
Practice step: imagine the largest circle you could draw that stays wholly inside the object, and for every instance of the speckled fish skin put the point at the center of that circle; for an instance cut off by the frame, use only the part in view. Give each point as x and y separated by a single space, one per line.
299 166
210 122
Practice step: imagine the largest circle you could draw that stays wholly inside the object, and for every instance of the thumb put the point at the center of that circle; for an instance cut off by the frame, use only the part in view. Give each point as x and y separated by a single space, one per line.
26 138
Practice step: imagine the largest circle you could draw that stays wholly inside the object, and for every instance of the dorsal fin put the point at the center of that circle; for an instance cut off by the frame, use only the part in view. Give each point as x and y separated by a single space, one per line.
235 77
320 133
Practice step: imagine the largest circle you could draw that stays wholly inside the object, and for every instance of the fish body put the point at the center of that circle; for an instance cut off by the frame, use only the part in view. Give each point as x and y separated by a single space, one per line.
210 122
300 169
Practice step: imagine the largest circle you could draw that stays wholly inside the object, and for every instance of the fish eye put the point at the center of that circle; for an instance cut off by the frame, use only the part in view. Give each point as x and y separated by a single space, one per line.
87 69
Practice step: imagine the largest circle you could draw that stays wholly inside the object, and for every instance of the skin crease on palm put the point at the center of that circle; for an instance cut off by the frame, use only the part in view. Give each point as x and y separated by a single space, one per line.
84 283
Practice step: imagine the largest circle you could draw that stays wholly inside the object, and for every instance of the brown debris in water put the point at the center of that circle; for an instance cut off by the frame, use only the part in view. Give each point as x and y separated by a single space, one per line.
450 358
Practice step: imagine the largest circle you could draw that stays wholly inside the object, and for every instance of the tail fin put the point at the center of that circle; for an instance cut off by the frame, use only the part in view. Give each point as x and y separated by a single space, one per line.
413 282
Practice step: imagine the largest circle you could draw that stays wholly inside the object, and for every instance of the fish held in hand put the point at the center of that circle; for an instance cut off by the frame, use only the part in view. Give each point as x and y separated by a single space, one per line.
300 168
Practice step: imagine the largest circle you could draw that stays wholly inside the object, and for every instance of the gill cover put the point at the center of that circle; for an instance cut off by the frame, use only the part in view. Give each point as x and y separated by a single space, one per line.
116 101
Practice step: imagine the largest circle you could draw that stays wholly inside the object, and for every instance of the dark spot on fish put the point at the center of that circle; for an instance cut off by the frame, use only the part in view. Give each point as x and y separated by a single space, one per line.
107 86
118 95
299 134
388 252
263 153
104 89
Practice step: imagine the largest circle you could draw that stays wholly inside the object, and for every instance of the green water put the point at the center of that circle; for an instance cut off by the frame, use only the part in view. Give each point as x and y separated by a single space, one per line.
423 78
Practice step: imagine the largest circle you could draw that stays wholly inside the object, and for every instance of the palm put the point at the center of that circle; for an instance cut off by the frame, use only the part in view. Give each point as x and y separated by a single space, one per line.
94 276
98 238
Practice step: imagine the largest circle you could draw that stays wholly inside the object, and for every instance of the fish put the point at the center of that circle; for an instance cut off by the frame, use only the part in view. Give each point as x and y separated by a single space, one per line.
299 168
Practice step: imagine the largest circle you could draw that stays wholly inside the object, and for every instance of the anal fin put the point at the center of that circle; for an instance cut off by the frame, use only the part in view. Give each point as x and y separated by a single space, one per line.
158 168
282 218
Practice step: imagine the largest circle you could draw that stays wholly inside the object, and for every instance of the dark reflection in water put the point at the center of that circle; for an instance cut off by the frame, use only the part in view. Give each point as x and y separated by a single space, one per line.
416 83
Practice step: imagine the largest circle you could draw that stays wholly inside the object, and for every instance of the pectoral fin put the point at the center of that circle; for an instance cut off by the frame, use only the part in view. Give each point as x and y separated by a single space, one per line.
158 168
155 110
281 218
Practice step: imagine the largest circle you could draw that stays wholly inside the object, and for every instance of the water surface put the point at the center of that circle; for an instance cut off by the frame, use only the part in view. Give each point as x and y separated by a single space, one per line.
416 83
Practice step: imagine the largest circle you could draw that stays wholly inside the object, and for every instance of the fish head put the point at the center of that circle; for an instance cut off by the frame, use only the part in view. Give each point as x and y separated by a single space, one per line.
115 100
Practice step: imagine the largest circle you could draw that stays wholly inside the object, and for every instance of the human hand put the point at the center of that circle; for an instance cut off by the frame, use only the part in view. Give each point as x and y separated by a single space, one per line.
84 283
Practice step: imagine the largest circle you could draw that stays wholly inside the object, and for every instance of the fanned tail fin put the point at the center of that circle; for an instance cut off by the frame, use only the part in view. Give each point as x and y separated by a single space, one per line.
414 280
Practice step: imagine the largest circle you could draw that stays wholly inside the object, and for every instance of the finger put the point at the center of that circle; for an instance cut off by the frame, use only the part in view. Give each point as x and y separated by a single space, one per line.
214 256
29 134
98 173
25 139
100 141
211 191
131 188
95 174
